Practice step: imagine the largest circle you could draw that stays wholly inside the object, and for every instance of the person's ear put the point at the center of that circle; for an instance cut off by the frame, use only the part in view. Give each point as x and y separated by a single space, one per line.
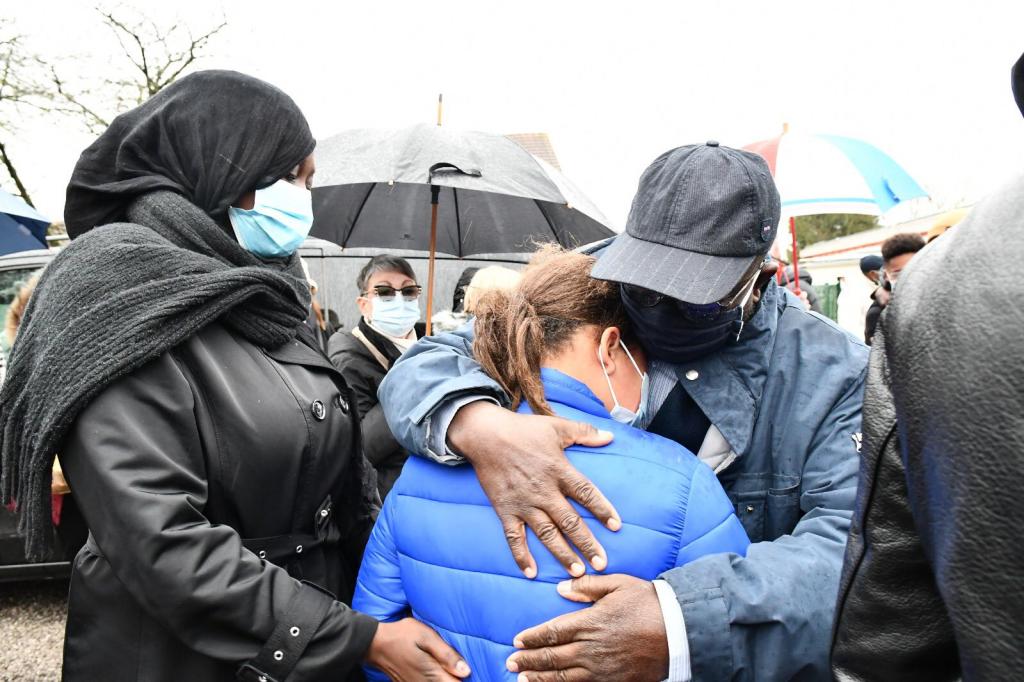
365 307
246 201
607 347
768 270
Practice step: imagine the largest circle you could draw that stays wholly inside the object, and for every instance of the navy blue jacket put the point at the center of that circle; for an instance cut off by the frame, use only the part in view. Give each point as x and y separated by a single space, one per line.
438 549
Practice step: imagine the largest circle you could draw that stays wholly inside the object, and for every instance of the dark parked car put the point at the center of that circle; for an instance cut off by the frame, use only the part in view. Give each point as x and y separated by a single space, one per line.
15 270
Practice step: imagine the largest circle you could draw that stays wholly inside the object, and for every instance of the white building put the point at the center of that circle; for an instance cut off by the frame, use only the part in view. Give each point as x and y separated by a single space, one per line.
838 261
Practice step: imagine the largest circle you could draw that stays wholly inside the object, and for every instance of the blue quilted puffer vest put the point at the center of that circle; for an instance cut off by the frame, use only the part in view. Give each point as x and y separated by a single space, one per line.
438 551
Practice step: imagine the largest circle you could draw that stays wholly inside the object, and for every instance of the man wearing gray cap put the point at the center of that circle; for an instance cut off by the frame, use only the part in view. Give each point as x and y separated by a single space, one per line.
766 394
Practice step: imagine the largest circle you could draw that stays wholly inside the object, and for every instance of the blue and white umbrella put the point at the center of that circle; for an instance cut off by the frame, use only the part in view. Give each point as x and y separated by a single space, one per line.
22 228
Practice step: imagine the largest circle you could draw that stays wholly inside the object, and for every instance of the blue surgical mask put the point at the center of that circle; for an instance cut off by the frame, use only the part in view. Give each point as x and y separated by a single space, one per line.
396 316
622 414
278 222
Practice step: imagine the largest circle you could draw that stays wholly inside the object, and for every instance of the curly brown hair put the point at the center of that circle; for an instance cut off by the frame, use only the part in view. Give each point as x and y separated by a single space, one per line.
556 297
17 308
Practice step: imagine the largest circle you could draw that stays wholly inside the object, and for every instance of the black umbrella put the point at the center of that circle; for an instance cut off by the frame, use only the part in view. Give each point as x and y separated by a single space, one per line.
489 196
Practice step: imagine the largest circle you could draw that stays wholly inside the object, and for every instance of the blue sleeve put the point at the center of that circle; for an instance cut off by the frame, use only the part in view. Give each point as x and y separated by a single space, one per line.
379 591
435 370
711 526
769 614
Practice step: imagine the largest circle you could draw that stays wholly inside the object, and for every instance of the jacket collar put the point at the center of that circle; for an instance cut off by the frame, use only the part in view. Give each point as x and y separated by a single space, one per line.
562 389
727 385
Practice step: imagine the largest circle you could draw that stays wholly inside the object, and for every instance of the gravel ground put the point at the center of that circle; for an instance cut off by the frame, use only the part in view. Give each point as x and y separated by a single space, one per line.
32 629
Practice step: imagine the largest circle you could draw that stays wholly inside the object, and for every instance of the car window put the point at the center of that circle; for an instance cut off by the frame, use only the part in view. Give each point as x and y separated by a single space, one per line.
11 282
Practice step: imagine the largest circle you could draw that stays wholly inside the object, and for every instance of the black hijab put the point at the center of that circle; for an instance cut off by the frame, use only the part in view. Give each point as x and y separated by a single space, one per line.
126 293
211 137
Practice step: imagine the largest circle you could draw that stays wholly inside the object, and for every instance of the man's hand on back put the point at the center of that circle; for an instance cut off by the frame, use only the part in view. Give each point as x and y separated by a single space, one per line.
621 637
521 465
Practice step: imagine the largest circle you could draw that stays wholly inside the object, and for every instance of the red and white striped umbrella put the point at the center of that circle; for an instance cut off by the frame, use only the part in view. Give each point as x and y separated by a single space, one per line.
819 174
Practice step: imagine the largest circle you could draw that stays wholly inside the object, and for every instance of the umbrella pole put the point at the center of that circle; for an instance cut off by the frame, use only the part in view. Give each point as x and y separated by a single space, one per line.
796 256
435 192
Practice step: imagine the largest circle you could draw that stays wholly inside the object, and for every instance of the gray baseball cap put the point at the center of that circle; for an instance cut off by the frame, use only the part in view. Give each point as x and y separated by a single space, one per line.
702 215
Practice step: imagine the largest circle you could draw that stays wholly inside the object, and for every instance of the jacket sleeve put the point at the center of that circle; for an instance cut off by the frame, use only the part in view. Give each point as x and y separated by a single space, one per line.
379 590
711 526
379 444
436 370
768 615
135 460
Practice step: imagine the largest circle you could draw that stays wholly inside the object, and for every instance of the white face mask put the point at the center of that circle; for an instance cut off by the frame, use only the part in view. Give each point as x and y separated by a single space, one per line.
396 317
621 414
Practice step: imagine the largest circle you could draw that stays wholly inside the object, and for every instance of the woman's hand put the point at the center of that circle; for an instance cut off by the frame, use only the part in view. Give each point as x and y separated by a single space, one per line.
521 465
409 651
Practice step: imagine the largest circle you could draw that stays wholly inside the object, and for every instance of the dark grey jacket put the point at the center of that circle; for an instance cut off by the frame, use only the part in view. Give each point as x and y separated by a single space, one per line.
363 372
931 586
188 471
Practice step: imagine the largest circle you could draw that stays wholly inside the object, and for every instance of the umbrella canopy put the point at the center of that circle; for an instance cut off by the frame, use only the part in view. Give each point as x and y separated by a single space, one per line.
373 190
834 174
22 228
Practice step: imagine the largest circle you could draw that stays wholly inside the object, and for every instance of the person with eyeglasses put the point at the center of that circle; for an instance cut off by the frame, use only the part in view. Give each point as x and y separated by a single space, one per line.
768 395
389 304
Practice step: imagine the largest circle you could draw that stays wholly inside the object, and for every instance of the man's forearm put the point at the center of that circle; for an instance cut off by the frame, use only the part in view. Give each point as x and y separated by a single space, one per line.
439 447
436 370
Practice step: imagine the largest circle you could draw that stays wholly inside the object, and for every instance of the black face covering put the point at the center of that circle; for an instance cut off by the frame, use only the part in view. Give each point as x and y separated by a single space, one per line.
210 137
669 335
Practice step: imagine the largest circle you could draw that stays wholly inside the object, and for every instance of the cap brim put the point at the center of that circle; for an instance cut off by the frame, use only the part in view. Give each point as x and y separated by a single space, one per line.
683 275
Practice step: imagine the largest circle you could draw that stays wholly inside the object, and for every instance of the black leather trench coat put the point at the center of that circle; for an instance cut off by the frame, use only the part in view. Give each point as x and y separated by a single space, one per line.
931 586
224 493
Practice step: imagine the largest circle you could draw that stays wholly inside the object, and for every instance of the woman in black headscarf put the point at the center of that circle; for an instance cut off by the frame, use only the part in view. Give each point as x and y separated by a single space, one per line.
208 440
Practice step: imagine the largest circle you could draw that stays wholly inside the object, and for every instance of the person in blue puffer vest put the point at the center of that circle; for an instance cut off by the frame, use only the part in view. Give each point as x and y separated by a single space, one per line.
560 343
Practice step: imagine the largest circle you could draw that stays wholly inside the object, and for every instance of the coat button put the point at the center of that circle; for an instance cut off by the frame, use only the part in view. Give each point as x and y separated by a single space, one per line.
750 509
298 550
692 375
294 631
318 410
341 403
278 655
262 678
262 554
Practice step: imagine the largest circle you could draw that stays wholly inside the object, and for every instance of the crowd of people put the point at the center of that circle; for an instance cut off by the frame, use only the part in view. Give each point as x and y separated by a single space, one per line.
640 460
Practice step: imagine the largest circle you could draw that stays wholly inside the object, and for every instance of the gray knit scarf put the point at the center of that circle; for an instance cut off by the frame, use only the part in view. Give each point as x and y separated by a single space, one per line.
118 297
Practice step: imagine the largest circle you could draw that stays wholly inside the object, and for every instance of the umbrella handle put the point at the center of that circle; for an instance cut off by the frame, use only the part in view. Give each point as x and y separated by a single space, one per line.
435 194
796 256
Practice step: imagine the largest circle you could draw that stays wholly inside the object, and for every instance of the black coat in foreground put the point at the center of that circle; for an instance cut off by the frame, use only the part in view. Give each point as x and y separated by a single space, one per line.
220 483
931 586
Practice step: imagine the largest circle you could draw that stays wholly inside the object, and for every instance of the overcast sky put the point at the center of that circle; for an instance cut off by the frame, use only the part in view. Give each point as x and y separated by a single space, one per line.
613 83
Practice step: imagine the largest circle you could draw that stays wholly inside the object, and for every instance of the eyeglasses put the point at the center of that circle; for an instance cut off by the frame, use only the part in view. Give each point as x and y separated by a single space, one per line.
707 312
387 293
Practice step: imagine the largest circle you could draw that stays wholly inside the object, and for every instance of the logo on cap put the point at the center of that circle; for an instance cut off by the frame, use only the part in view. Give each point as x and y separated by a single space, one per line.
766 229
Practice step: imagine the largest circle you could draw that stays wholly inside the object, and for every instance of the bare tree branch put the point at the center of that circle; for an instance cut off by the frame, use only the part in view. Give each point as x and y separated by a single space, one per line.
154 57
11 171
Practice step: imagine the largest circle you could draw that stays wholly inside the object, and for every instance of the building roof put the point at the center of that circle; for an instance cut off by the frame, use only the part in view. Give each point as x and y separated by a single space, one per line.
853 246
538 144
